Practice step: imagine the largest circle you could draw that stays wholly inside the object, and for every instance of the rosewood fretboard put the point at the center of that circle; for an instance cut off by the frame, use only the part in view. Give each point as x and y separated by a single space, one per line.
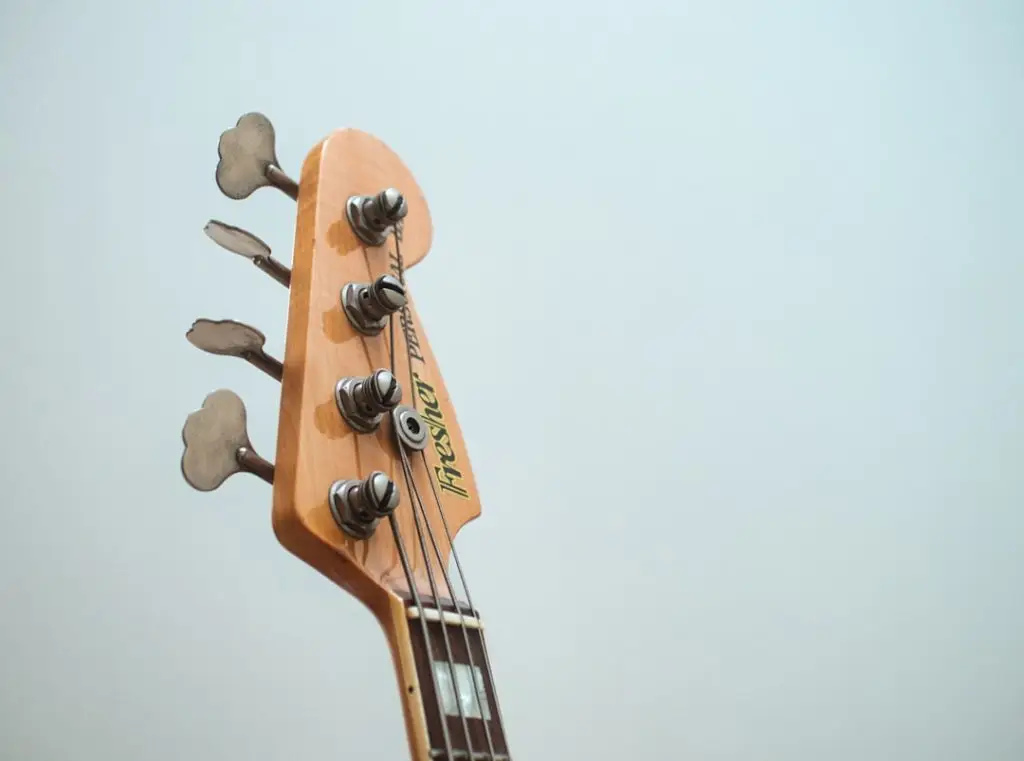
482 718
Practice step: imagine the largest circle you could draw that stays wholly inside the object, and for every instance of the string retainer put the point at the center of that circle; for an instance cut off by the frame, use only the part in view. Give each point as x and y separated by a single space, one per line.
410 428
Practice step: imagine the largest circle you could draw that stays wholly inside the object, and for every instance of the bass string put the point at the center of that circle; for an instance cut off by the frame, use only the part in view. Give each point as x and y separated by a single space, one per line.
397 534
417 602
414 499
469 597
411 485
480 692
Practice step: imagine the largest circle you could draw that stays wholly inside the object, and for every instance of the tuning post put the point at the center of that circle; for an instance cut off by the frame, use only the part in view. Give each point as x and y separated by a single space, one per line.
217 444
248 160
229 338
368 305
357 506
244 243
363 402
373 217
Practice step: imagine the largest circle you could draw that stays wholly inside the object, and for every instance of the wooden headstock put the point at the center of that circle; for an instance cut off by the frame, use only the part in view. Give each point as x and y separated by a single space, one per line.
372 479
316 446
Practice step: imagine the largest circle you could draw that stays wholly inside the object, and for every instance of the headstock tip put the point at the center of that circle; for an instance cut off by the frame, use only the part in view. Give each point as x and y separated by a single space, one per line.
349 163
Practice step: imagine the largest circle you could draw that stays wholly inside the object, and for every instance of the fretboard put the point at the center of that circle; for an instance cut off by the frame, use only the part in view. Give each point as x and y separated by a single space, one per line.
467 702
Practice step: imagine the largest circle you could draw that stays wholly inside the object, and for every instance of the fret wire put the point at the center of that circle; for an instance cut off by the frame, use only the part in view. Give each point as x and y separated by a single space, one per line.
481 698
440 753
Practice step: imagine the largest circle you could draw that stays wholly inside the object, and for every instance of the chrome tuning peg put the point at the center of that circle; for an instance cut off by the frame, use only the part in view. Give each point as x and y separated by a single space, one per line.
362 402
368 305
244 243
217 444
248 160
373 217
357 506
234 339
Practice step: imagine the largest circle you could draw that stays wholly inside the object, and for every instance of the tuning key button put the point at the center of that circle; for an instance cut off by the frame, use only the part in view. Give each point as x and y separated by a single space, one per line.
364 401
357 506
248 159
368 305
217 444
373 217
234 339
244 243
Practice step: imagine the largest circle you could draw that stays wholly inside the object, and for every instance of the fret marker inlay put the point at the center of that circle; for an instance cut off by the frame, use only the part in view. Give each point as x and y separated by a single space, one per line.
467 691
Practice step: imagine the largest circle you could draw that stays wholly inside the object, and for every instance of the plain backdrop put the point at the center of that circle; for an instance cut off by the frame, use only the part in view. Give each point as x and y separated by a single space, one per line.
728 298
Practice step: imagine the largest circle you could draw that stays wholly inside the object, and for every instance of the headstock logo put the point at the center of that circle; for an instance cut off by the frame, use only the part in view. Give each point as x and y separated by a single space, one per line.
449 477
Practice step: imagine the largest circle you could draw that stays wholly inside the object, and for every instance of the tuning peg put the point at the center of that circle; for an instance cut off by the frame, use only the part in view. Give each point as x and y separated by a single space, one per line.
368 305
217 444
244 243
248 160
357 506
373 217
234 339
362 402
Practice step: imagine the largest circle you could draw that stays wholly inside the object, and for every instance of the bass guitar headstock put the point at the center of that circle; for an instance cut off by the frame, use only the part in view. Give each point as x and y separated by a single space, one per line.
371 481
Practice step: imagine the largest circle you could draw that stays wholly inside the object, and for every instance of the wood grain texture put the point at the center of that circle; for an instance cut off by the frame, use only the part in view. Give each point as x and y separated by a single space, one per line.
316 447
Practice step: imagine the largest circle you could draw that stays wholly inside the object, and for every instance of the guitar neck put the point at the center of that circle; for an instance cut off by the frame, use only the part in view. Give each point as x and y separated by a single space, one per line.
448 693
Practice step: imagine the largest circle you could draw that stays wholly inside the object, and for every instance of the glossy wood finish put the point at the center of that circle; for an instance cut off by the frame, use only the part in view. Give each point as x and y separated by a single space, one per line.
316 447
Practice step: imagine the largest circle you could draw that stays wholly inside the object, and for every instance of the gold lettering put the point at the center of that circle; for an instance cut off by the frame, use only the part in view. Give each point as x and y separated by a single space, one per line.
448 479
426 395
433 414
412 341
448 476
444 451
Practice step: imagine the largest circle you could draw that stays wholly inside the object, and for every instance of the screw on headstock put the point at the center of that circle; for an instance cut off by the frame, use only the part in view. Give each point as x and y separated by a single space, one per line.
368 305
357 506
217 444
248 159
244 243
363 402
373 217
234 339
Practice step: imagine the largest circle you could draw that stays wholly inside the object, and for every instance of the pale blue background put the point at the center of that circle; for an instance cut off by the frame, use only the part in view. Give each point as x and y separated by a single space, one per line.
728 296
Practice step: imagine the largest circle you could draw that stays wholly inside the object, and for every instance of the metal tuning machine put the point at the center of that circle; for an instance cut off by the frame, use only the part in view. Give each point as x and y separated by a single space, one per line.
234 339
363 402
357 506
368 305
248 160
244 243
217 444
373 217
